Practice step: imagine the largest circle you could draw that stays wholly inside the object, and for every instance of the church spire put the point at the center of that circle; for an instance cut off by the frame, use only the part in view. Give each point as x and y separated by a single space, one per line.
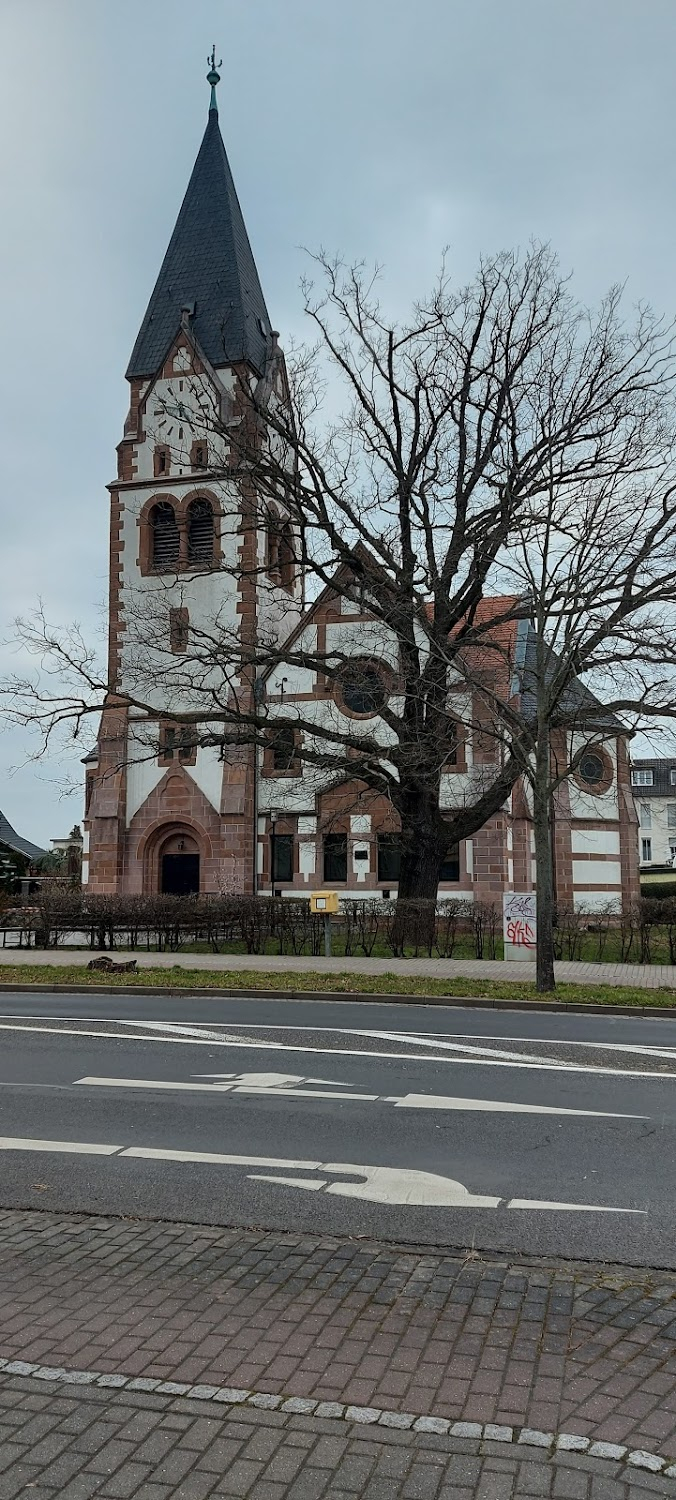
213 77
209 265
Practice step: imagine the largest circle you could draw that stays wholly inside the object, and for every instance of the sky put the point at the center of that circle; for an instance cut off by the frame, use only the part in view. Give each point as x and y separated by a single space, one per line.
381 129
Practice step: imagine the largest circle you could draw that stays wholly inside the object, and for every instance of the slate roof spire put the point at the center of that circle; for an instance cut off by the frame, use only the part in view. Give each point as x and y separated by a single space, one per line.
209 263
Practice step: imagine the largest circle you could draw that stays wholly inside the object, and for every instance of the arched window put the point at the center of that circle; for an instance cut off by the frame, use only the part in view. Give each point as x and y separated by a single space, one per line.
165 542
286 557
200 532
452 742
272 545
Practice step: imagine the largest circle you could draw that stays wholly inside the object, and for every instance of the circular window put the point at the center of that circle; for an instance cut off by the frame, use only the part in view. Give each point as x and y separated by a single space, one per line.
594 772
362 688
591 768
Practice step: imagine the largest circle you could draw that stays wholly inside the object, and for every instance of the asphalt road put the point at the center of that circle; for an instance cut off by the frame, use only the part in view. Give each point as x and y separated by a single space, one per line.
525 1132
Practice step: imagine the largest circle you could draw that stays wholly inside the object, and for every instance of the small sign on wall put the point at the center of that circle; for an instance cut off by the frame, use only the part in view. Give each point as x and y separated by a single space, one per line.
519 924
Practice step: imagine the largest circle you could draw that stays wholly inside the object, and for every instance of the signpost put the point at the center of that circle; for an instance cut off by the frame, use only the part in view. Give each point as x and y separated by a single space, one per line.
519 924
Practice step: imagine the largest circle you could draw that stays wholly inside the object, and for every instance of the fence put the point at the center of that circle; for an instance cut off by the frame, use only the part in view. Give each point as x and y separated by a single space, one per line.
644 933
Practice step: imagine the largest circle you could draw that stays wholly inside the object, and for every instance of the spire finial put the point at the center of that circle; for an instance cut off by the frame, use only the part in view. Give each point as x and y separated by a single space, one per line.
213 77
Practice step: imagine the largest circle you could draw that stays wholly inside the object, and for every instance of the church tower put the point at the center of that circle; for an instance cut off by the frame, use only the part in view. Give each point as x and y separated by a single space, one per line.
190 561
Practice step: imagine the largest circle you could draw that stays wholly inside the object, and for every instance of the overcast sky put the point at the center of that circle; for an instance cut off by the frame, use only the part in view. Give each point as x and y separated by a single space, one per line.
381 128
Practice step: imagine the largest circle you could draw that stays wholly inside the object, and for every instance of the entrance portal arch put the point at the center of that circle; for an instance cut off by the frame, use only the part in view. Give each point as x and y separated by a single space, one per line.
179 865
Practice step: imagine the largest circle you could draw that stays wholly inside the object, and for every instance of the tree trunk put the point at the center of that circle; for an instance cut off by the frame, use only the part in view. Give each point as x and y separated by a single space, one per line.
544 981
424 842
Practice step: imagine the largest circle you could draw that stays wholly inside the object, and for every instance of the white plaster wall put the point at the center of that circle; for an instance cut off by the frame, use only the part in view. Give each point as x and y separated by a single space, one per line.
363 638
595 841
596 901
596 872
142 778
208 773
307 857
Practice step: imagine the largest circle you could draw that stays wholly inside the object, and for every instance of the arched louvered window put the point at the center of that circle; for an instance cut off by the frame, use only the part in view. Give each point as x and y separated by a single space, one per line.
165 540
200 532
286 557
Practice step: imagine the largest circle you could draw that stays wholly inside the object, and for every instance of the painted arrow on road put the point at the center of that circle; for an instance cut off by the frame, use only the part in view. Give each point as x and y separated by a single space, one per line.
290 1086
395 1186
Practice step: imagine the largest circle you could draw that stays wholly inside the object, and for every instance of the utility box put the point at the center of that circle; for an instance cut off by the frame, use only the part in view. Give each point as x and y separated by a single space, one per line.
324 901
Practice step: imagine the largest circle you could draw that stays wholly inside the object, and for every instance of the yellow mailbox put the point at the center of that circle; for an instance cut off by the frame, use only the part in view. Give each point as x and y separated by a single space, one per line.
324 901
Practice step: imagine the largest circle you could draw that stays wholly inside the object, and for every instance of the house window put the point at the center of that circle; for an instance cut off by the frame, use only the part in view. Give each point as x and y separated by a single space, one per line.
200 532
165 540
283 749
160 462
89 788
647 815
199 456
179 629
450 870
281 845
641 778
335 858
389 857
671 815
177 743
646 851
672 778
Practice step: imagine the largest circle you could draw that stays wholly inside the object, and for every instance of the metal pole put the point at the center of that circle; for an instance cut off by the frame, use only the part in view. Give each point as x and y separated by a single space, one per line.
327 934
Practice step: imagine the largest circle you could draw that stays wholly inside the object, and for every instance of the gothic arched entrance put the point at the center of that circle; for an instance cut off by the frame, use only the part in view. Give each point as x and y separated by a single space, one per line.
179 865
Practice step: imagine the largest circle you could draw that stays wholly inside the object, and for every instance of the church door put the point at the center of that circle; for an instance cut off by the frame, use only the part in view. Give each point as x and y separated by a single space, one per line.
179 865
180 874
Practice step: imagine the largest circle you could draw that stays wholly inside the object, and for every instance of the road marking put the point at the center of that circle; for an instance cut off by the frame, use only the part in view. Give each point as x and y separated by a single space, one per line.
456 1061
578 1208
291 1087
399 1186
77 1148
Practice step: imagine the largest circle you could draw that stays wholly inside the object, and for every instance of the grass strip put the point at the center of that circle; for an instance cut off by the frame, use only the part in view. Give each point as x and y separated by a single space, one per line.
417 985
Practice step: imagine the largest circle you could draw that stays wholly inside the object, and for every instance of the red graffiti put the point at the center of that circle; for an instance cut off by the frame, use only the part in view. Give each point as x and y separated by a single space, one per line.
520 933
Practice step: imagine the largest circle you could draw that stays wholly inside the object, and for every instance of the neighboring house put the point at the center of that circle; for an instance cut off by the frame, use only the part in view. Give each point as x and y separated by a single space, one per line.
653 783
188 543
16 855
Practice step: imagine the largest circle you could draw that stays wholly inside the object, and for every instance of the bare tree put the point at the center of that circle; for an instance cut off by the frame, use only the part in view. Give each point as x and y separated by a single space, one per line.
594 564
453 432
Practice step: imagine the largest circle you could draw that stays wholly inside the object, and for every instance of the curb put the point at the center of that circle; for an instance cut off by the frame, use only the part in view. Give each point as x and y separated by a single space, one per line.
362 1416
377 997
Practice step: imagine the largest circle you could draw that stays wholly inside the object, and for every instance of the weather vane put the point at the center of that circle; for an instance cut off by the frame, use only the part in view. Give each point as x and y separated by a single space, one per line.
213 77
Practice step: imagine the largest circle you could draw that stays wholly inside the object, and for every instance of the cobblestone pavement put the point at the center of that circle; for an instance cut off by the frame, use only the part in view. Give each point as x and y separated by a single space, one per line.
553 1346
66 1442
643 976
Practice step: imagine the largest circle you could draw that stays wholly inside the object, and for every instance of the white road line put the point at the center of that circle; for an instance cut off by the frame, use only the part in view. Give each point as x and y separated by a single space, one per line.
230 1034
77 1148
455 1061
245 1085
375 1184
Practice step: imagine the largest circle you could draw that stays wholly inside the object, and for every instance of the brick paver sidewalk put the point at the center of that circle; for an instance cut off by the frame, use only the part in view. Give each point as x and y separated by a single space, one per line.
62 1441
643 976
538 1344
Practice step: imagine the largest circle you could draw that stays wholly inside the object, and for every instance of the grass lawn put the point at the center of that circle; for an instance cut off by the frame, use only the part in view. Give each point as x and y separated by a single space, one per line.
177 978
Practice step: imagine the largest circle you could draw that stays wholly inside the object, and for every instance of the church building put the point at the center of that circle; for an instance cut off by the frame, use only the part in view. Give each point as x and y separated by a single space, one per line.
186 548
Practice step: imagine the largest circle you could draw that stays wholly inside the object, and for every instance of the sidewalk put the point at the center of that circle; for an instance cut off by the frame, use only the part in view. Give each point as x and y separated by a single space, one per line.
644 976
304 1366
